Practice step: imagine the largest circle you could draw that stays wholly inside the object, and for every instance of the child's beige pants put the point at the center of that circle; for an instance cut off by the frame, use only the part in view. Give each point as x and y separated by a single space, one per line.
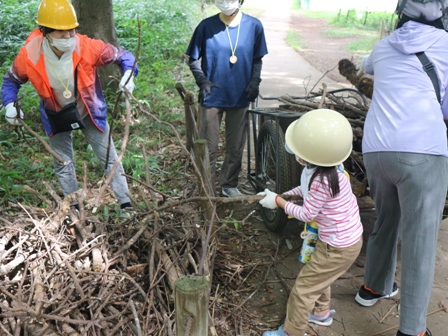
312 290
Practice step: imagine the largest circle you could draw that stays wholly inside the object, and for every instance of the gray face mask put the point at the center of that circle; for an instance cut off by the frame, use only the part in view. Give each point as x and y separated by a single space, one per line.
63 44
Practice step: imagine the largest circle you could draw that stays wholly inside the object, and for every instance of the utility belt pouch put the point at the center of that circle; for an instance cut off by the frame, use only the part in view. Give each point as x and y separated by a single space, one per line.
66 119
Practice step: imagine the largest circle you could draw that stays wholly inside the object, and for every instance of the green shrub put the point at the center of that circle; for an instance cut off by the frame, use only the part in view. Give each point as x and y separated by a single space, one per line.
166 27
363 46
293 40
364 19
16 21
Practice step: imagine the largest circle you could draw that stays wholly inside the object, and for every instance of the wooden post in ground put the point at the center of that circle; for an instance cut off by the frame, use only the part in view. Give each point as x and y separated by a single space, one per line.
181 90
191 305
383 28
191 128
202 160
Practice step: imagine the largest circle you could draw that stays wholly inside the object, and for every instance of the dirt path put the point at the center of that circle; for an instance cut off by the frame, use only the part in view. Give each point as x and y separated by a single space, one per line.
320 50
284 70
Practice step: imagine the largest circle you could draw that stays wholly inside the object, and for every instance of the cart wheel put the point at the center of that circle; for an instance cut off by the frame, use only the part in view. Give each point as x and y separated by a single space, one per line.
273 170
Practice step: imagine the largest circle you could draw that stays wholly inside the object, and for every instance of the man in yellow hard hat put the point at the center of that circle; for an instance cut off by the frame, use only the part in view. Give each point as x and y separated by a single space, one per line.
62 66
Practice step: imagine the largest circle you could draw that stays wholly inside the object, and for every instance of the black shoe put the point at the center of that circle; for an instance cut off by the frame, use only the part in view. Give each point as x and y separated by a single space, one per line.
126 205
426 333
367 297
126 210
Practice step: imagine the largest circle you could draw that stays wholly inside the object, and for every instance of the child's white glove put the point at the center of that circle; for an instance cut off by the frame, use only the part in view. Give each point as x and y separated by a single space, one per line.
130 84
11 114
270 199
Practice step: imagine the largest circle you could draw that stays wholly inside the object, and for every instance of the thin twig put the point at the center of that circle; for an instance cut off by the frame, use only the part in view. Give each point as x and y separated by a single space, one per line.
56 267
119 158
324 94
323 76
41 234
136 320
391 308
43 142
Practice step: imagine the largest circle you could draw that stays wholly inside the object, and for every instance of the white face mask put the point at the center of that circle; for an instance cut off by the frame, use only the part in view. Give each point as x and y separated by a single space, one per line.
63 44
227 7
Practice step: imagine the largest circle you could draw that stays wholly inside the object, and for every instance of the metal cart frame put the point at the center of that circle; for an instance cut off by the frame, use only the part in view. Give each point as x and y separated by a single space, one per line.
274 169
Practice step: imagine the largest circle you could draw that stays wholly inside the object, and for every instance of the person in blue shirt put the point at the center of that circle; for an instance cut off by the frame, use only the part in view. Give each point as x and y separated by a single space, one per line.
225 56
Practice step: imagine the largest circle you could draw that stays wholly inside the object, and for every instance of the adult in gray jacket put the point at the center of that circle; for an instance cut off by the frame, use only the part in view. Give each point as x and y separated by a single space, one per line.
406 159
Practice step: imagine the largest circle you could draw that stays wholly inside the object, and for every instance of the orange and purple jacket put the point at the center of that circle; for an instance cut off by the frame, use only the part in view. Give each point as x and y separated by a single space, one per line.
89 54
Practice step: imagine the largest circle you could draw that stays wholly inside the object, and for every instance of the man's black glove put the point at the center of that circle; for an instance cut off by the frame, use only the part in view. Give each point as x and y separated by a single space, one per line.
253 89
204 89
204 84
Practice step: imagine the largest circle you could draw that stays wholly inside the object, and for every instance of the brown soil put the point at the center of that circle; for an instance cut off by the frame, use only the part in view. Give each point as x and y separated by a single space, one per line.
321 51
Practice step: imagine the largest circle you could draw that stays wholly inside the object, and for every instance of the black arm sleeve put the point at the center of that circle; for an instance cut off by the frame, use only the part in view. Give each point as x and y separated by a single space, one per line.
256 70
195 67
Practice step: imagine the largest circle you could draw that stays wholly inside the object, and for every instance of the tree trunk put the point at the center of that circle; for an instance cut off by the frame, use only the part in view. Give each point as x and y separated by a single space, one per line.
96 20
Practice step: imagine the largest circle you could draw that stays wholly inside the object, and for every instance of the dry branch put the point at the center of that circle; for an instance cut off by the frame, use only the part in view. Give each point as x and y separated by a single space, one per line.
43 142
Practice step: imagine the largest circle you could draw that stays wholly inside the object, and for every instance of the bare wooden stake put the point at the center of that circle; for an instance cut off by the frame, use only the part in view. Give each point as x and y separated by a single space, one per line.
191 304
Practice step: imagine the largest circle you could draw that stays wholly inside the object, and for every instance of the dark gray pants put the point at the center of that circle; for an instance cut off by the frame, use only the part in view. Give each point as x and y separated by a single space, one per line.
409 191
62 144
235 134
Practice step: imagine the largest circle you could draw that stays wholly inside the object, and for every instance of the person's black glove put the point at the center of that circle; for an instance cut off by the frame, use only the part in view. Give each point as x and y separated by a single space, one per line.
205 86
253 89
204 89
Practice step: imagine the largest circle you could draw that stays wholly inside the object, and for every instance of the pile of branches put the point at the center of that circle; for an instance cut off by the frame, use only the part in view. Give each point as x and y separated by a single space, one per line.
61 277
67 272
61 274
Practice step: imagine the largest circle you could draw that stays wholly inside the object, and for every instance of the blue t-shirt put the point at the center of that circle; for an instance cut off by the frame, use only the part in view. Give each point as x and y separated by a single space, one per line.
210 43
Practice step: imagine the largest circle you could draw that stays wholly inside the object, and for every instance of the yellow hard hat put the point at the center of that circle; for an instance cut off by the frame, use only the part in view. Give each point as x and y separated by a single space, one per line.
321 137
57 14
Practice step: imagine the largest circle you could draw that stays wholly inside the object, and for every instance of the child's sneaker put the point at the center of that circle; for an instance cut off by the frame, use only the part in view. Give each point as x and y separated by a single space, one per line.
367 297
278 332
325 320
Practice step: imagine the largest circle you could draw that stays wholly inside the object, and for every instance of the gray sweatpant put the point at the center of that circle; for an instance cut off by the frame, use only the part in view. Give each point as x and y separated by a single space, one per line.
62 144
409 191
235 134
